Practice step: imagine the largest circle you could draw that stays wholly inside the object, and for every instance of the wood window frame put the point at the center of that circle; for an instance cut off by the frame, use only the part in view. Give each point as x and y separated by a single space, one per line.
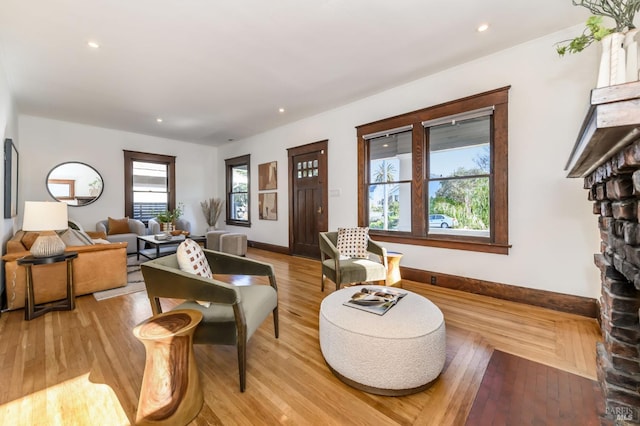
230 163
129 158
71 188
498 241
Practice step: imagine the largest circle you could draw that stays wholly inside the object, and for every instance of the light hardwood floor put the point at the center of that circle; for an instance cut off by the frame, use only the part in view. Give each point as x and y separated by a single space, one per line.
84 367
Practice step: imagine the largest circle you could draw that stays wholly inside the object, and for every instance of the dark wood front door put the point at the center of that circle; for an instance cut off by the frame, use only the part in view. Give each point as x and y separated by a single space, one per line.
308 198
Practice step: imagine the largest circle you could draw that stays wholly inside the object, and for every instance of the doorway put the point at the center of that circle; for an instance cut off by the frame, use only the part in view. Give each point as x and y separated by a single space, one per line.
308 212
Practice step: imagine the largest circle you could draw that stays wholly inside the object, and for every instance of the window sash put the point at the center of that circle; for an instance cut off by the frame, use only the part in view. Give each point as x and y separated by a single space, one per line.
136 209
233 183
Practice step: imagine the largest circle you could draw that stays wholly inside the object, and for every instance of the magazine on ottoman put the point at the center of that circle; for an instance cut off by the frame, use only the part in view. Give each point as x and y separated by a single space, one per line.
375 300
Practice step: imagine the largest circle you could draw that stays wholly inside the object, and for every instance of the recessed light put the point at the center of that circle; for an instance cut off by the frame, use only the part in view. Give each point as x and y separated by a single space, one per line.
386 145
159 120
281 110
93 44
483 28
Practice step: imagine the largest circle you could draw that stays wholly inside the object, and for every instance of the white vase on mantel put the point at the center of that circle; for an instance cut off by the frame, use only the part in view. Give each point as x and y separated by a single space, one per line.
619 60
630 45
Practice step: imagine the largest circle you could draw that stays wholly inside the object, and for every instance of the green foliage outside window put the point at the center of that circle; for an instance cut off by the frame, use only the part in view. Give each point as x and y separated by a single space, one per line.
465 199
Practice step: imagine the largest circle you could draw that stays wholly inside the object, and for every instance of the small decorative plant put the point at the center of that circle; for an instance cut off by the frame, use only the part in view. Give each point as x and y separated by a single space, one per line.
164 217
177 212
95 187
621 11
169 216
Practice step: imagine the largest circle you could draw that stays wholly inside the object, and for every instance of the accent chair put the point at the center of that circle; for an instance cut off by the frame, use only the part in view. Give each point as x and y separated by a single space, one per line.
235 312
348 270
136 228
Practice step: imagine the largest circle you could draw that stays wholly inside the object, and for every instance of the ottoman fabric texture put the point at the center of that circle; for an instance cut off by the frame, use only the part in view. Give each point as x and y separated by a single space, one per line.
402 349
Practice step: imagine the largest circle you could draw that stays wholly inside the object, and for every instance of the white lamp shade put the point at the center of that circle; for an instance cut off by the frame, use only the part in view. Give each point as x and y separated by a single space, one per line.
45 216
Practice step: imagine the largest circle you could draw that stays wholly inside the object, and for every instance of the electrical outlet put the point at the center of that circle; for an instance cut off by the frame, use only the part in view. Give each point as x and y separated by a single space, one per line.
433 279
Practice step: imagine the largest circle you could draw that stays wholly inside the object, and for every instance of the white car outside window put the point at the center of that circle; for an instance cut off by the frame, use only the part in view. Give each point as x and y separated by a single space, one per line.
442 221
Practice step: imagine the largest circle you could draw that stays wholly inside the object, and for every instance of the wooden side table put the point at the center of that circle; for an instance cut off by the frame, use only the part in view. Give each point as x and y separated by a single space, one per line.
393 269
31 310
170 392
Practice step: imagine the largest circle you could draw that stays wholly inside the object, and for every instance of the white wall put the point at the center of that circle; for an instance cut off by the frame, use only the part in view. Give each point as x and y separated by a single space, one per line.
46 143
8 129
551 228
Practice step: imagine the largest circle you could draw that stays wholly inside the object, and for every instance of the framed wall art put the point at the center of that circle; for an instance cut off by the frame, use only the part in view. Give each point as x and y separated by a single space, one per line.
268 205
10 179
268 176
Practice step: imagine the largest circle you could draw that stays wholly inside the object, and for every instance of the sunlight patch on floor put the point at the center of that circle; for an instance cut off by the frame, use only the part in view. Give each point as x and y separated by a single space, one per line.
65 402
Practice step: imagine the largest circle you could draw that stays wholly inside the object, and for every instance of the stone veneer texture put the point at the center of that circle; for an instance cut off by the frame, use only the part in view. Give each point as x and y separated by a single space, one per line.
614 187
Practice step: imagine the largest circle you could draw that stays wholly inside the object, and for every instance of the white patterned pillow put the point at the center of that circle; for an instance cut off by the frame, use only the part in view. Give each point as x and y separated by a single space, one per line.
352 242
191 259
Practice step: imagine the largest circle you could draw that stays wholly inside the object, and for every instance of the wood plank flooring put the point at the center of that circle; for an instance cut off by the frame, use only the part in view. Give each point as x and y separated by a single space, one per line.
516 391
84 367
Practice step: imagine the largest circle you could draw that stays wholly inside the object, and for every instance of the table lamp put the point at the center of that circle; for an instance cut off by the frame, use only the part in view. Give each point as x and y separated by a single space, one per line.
45 217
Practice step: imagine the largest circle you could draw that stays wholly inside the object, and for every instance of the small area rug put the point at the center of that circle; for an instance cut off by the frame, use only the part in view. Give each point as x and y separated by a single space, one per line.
516 391
135 282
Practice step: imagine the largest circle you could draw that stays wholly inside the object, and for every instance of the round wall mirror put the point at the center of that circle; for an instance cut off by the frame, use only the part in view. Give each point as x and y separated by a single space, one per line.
74 183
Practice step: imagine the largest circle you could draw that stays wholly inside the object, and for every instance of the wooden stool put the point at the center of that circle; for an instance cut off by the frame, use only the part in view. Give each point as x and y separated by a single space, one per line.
393 269
170 392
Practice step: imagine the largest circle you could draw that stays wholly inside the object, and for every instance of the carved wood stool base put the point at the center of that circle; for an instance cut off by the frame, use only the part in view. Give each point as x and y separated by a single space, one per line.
170 392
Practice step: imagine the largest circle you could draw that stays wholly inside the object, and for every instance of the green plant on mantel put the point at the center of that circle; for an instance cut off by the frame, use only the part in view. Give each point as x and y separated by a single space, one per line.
621 11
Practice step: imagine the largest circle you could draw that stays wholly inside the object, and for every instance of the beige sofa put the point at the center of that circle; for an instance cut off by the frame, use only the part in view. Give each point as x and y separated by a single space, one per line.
98 267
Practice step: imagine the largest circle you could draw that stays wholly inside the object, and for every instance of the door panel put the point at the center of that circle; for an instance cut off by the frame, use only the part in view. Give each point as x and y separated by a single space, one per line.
308 215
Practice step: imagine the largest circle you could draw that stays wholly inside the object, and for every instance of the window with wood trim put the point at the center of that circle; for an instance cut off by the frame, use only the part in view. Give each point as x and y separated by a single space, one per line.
238 177
438 176
149 181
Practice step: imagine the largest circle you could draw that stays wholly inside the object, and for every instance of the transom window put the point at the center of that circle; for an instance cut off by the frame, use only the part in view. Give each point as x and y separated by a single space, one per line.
438 176
237 182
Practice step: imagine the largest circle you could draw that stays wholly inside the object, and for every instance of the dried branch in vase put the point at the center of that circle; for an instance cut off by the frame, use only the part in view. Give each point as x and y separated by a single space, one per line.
211 209
621 11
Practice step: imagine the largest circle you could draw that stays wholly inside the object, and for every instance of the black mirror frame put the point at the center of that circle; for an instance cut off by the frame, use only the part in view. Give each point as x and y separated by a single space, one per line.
46 182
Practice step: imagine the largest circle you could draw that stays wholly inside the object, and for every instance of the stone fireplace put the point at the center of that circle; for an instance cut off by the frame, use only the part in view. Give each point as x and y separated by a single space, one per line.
607 156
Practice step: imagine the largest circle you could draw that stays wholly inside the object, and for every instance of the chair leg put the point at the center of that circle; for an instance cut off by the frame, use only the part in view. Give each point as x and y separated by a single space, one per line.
242 363
275 322
322 287
156 308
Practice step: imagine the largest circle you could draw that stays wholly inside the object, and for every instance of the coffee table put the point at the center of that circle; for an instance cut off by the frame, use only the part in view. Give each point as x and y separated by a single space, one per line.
163 247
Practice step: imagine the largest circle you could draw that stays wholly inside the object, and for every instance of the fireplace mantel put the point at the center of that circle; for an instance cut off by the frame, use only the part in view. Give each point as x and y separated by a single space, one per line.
612 122
607 156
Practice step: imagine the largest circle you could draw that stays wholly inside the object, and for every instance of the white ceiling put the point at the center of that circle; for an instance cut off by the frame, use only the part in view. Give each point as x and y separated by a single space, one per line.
216 70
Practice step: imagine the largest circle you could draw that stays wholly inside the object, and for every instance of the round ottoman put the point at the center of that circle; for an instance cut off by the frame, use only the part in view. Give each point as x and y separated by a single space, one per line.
398 353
